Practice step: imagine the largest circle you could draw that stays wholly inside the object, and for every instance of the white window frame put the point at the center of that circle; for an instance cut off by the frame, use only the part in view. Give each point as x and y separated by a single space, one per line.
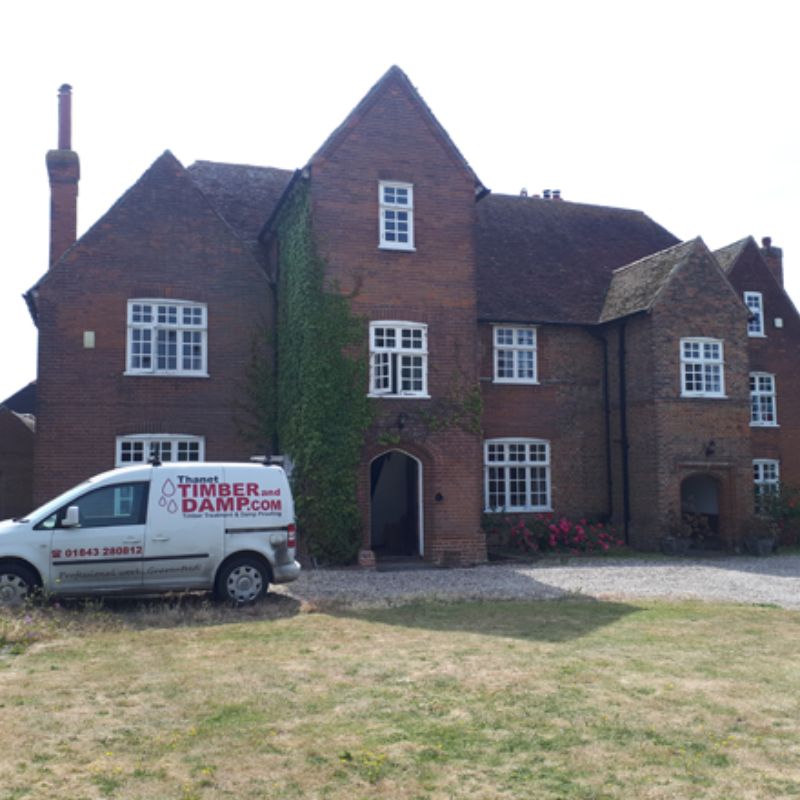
702 367
512 344
755 305
396 204
395 347
763 400
532 458
766 481
150 320
141 447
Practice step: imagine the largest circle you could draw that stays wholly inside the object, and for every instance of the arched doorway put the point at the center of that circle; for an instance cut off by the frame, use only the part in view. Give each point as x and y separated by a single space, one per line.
395 492
700 498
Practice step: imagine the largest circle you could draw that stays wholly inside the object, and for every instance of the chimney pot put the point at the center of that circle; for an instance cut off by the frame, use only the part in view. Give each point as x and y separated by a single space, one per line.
546 194
65 117
766 242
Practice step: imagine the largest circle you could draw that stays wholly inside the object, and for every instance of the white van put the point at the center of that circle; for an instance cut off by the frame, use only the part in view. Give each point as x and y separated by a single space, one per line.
157 528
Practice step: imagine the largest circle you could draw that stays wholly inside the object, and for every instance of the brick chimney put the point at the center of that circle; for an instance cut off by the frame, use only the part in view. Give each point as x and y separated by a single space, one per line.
64 171
774 258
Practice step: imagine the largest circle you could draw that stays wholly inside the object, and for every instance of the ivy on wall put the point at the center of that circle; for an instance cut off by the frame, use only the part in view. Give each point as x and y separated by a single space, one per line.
322 408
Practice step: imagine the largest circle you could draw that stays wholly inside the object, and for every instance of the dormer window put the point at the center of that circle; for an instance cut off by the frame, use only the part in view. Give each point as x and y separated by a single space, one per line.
755 305
396 215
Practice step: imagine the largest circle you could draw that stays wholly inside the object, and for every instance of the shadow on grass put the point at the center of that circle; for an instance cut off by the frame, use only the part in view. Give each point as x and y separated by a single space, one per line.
528 620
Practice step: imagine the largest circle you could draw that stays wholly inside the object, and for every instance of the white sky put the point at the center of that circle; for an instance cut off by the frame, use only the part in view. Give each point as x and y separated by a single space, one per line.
685 110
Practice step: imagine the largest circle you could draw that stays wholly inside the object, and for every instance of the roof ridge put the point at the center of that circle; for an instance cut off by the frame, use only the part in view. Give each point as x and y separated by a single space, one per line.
565 203
236 164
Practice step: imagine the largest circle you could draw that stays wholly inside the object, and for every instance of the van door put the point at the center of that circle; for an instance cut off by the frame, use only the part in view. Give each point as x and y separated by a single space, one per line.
104 551
183 542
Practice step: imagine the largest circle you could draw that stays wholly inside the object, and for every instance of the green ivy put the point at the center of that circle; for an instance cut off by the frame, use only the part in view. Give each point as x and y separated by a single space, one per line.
322 408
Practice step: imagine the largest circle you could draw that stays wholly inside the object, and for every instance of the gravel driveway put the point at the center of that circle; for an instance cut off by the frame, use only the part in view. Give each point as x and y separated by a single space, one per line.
741 579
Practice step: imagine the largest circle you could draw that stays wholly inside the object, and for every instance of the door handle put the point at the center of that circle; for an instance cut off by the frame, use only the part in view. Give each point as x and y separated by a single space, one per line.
159 538
132 540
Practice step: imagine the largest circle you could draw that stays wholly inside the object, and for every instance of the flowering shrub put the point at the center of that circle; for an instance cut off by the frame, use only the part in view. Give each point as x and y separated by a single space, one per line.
544 533
783 510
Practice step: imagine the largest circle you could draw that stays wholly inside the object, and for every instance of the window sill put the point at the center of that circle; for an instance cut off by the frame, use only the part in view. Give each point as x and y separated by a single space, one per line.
704 397
535 510
399 396
756 335
517 381
764 425
401 248
166 374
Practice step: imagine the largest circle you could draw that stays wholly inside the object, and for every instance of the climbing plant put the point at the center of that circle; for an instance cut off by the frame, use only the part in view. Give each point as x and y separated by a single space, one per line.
321 375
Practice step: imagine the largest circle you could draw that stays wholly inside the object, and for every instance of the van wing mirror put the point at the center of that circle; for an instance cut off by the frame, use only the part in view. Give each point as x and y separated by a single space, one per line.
72 517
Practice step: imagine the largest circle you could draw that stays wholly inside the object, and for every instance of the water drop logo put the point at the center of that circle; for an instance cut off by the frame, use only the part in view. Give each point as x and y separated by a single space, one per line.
167 492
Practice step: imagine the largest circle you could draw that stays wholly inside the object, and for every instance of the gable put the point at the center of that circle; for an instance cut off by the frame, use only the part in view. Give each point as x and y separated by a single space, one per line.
392 92
749 272
162 224
696 287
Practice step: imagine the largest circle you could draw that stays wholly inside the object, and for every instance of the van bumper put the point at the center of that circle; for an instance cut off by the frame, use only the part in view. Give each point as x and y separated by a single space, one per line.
284 573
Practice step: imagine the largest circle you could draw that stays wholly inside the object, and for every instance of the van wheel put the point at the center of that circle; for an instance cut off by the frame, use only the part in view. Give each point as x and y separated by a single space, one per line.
242 580
17 584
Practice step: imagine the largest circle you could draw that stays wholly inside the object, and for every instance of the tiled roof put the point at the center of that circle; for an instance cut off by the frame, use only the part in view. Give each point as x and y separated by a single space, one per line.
243 195
726 256
635 287
23 401
551 261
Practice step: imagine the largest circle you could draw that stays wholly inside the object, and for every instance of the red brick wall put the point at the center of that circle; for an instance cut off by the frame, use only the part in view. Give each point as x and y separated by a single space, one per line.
161 240
671 436
565 408
16 466
393 140
777 352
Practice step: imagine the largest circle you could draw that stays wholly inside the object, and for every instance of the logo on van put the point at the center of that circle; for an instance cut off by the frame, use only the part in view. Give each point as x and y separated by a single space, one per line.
167 497
200 495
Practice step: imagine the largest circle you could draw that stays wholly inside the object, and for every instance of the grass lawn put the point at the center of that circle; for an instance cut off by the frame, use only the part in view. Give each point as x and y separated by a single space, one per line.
560 699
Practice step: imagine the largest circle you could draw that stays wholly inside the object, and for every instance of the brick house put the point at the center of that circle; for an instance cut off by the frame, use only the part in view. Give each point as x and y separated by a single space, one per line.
618 372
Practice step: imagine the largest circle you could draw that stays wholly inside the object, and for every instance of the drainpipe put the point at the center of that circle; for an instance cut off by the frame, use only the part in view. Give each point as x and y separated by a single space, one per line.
624 444
607 421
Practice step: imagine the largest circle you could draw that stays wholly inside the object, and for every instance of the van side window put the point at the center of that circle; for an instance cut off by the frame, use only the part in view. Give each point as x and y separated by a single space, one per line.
109 506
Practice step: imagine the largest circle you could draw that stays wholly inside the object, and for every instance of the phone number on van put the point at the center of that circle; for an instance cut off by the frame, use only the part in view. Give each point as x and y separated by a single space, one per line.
97 552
